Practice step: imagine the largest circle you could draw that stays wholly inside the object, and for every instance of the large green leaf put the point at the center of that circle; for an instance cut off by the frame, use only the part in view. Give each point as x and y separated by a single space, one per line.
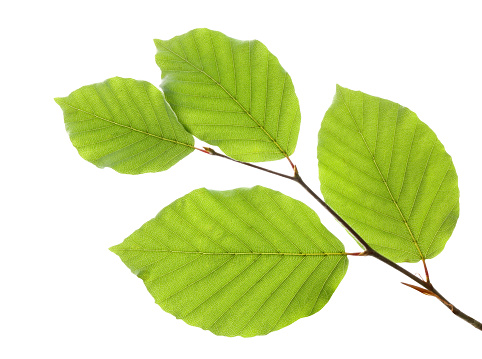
126 125
230 93
242 262
386 173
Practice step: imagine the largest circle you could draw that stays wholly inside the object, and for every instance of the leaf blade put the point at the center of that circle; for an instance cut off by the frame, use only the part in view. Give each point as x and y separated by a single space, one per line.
230 93
400 187
125 124
249 278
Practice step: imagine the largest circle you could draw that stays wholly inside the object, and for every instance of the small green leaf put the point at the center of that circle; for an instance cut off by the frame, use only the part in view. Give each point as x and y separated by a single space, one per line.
125 124
386 173
230 93
241 262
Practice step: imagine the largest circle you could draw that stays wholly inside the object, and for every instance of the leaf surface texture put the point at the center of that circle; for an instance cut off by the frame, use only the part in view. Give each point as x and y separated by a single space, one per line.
241 262
230 93
125 124
387 174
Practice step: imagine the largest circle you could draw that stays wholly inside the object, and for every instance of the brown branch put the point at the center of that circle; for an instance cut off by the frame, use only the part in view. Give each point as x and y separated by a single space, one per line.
369 251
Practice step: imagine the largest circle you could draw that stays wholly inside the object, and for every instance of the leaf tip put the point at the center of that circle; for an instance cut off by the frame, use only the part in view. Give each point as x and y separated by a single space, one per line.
339 88
114 249
157 43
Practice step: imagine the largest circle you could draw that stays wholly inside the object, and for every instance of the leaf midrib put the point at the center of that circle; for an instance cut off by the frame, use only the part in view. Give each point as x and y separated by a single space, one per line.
384 181
229 94
231 253
128 127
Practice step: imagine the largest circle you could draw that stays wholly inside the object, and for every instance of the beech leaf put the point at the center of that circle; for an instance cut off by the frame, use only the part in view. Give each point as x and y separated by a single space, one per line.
386 173
241 262
125 124
230 93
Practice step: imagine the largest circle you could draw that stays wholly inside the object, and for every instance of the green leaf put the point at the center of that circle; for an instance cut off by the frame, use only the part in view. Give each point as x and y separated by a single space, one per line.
241 262
230 93
386 173
125 124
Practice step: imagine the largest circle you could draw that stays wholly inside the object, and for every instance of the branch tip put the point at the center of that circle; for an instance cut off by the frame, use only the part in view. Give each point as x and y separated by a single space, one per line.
209 150
201 150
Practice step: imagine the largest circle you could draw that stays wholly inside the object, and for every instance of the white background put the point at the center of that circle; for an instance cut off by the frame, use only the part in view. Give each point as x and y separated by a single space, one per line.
64 295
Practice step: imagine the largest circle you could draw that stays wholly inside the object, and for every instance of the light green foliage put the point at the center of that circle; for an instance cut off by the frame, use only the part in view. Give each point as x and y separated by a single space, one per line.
386 173
241 262
230 93
247 262
126 125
